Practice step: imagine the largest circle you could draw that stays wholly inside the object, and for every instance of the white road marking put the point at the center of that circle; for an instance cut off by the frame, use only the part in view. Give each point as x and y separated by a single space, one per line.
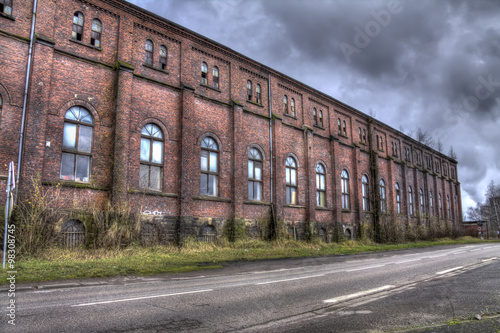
405 261
355 295
144 297
490 259
449 270
363 268
292 279
458 252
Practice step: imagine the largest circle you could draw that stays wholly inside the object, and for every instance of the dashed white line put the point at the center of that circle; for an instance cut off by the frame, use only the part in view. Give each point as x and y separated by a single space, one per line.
144 297
292 279
363 268
359 294
449 270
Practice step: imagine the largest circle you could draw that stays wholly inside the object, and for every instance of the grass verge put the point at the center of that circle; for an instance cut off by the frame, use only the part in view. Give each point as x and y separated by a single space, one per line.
57 263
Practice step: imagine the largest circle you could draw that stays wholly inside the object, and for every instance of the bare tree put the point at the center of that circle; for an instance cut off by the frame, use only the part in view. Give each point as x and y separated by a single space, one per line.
474 213
452 153
424 137
372 113
490 210
439 146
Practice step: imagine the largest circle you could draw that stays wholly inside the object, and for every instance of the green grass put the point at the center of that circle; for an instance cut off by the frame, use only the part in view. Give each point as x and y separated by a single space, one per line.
57 263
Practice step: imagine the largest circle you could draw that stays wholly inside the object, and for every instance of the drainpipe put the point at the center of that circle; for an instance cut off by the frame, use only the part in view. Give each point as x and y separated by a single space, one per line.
25 99
270 134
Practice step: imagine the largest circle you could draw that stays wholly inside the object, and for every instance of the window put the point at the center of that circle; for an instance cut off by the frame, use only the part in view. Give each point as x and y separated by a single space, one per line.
148 58
254 175
381 143
431 204
258 94
320 118
345 190
383 201
77 32
285 104
320 186
95 36
440 207
77 145
150 171
292 107
163 57
6 7
291 181
249 90
209 169
398 199
448 205
339 123
204 73
453 172
410 201
422 202
344 128
365 189
315 117
364 136
360 136
215 77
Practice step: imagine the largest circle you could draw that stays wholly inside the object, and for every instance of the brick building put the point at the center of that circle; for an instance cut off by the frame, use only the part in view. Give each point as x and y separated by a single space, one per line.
125 106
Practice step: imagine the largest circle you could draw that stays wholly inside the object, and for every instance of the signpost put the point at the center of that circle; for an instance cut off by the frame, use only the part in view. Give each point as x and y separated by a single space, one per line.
8 207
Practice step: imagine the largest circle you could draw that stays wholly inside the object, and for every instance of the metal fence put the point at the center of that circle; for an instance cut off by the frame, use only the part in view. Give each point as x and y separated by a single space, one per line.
73 233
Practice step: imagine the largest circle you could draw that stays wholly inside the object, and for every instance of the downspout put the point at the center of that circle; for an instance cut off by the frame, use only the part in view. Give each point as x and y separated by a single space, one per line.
270 135
25 98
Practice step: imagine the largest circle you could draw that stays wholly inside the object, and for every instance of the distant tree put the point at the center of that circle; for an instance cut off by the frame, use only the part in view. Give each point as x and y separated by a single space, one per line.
452 153
372 113
424 137
474 213
439 146
490 210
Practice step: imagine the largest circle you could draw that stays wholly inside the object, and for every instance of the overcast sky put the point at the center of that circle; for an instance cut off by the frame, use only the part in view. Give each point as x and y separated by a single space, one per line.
429 64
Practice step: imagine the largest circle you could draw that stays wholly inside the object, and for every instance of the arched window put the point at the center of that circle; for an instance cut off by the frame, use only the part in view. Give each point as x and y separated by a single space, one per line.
320 186
285 104
422 203
339 123
258 94
315 117
364 136
320 118
215 78
95 36
383 201
6 7
77 145
254 174
449 207
209 167
360 136
410 201
398 199
150 172
431 204
344 128
77 32
148 58
291 181
292 107
163 57
365 189
440 207
344 177
204 73
249 90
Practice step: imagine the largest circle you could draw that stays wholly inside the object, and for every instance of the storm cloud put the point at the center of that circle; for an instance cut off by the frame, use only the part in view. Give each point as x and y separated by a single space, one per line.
428 64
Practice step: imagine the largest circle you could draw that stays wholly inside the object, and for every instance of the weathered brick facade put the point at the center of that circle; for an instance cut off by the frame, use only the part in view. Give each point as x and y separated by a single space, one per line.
123 93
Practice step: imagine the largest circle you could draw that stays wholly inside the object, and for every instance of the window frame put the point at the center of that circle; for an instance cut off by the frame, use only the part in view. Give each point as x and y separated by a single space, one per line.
398 198
320 185
422 202
410 202
365 191
150 163
77 28
6 7
320 118
258 94
285 104
315 117
431 204
209 173
249 90
292 107
345 190
440 206
204 73
95 36
163 57
255 158
76 151
215 78
148 52
383 196
344 128
291 171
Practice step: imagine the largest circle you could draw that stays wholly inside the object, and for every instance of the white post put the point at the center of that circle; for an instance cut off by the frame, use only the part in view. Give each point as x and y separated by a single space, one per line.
8 208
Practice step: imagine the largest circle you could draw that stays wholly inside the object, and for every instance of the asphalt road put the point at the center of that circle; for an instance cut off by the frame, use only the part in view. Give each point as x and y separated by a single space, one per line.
357 293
